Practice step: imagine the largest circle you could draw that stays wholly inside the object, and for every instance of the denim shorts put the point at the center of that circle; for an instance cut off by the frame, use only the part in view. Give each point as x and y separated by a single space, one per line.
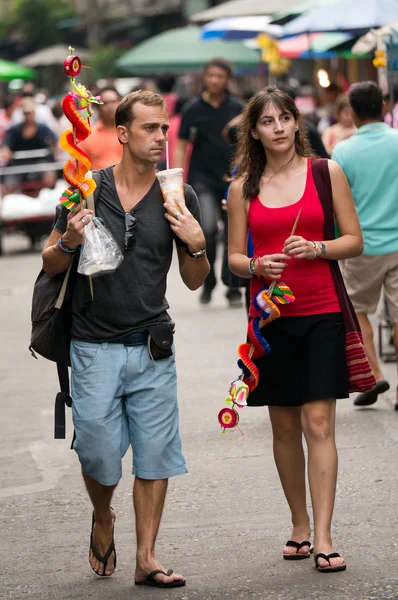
120 396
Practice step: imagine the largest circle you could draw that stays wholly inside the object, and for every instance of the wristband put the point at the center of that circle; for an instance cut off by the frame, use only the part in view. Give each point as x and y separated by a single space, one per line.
63 249
253 265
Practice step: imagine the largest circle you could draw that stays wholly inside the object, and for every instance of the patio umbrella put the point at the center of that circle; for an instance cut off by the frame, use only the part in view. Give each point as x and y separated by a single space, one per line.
291 12
355 16
181 51
239 28
240 8
10 70
53 55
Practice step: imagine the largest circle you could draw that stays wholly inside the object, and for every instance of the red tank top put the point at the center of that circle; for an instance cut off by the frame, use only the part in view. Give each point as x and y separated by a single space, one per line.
310 280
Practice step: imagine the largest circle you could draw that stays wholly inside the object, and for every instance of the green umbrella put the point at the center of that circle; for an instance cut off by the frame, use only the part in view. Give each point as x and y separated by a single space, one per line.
10 70
181 51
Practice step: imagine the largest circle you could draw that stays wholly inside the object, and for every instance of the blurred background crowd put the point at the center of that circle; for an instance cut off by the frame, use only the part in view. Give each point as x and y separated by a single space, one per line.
313 50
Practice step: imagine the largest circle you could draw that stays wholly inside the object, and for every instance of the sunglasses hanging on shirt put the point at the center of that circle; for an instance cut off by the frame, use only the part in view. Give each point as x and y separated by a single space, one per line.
130 222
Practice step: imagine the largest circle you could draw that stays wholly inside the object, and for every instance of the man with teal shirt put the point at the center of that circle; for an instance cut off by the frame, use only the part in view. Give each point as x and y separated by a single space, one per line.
369 160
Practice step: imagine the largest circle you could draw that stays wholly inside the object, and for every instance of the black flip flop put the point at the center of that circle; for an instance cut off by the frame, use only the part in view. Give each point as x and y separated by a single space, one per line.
102 559
331 568
370 397
150 580
297 555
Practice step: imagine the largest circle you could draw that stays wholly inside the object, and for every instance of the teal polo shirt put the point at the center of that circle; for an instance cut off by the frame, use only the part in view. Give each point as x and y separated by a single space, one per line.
369 160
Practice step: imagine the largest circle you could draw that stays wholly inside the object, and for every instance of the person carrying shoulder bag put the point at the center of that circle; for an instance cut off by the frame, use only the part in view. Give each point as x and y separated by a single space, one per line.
122 351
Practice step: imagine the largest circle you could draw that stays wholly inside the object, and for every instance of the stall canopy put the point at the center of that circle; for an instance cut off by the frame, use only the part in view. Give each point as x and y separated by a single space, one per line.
313 45
354 16
53 55
10 70
240 8
181 51
239 28
291 12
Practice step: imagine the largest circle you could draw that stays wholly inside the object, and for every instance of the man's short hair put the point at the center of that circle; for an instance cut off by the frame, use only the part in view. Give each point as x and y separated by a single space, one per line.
125 111
366 100
221 63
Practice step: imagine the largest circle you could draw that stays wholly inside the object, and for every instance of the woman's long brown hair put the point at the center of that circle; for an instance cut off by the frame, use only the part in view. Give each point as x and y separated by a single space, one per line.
251 158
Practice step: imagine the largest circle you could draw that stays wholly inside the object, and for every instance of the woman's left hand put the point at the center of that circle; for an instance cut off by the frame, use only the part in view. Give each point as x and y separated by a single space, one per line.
298 247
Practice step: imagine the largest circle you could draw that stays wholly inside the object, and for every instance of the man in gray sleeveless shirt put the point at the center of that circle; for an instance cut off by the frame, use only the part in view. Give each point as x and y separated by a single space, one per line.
122 353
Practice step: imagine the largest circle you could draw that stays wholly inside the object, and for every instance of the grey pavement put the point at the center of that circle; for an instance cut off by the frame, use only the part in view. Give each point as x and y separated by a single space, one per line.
226 521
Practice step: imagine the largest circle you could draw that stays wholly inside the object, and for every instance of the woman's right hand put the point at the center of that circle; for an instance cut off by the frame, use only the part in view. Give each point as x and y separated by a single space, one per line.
272 265
77 219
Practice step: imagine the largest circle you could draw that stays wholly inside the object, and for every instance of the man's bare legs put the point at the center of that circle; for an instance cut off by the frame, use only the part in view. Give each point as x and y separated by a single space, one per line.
367 332
149 497
290 462
101 497
318 423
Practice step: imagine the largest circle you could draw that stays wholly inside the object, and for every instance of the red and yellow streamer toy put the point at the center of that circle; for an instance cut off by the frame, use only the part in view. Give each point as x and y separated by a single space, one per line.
77 109
265 305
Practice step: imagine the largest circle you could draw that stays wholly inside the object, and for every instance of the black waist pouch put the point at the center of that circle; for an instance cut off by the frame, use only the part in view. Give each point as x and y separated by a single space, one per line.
161 340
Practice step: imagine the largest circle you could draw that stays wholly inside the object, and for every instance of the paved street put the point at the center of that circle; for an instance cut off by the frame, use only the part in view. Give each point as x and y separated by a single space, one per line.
226 521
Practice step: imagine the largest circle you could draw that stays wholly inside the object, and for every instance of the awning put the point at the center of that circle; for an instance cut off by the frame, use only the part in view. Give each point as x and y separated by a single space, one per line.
10 70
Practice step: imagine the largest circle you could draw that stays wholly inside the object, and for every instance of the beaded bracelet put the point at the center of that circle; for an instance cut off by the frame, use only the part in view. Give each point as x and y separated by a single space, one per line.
63 249
254 266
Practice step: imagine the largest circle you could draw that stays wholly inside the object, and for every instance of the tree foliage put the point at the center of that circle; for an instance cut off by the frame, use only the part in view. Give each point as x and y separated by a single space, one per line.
38 21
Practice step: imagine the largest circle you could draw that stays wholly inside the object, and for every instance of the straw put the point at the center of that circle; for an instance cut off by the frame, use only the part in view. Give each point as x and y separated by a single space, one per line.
167 156
272 286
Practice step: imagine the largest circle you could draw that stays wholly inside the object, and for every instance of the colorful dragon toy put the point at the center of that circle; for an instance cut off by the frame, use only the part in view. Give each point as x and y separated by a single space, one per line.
265 305
79 99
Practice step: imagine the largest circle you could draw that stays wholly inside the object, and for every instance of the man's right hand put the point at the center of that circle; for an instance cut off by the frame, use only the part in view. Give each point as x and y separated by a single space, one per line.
77 219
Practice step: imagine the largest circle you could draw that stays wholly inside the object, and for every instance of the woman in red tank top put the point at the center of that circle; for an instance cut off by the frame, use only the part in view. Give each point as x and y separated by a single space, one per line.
306 369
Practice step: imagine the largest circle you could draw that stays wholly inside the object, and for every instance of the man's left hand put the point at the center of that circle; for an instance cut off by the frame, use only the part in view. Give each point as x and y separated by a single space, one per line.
186 227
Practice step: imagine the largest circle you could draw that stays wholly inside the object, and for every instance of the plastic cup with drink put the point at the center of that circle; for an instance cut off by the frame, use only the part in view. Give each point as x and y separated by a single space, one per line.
172 187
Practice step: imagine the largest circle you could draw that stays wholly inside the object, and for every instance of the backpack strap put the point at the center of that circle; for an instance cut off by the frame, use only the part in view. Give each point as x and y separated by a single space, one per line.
63 397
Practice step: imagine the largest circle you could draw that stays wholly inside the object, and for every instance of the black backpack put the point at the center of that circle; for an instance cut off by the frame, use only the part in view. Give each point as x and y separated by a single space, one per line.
51 322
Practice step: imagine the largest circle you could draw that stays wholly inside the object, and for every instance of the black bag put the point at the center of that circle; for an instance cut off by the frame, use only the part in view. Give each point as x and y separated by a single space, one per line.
161 340
51 323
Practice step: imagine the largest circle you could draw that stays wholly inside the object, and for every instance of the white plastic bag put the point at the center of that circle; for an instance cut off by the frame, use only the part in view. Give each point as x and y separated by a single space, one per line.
100 253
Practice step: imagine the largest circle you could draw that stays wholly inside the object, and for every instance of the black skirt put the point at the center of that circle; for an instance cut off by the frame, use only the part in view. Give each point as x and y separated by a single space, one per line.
307 361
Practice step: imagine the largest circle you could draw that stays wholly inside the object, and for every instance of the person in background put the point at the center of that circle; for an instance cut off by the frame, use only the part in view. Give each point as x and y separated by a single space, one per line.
172 136
343 129
387 109
202 124
326 111
43 113
369 161
165 85
28 136
102 144
6 116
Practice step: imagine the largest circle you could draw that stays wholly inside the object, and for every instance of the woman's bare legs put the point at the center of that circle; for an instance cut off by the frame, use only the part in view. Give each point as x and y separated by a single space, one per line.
290 462
318 424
